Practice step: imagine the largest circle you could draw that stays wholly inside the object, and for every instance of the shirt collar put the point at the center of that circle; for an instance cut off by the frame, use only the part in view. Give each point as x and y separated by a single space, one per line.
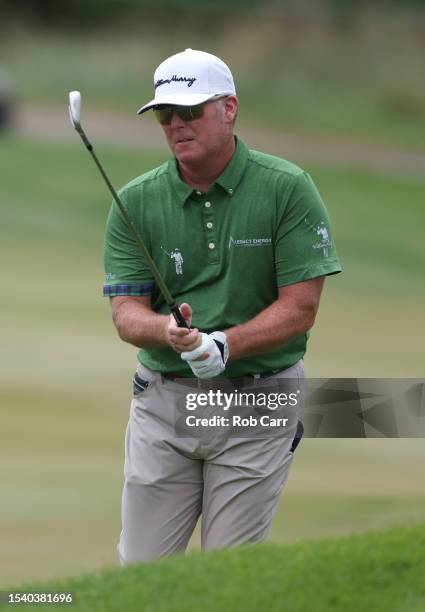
182 189
228 180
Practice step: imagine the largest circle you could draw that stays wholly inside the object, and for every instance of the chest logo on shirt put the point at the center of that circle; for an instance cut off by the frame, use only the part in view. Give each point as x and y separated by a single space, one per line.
324 241
249 242
177 258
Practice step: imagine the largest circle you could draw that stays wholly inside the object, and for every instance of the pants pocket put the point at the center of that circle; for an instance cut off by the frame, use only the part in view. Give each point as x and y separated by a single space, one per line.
139 385
298 436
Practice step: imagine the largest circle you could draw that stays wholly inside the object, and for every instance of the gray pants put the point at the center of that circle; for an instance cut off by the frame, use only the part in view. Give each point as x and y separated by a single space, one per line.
234 482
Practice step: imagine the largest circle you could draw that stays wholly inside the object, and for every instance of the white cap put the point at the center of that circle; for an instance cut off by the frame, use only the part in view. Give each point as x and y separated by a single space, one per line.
190 78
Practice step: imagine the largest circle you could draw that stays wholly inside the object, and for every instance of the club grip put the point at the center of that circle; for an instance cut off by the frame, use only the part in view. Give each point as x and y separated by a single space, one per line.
178 316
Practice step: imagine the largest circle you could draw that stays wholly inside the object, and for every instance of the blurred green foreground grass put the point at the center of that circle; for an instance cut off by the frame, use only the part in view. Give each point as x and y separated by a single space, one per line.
65 381
377 572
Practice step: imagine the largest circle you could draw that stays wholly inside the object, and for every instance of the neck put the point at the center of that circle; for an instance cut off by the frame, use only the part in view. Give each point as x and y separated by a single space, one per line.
200 175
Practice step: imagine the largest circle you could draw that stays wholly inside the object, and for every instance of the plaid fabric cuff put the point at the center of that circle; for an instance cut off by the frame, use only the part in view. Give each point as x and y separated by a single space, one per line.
133 290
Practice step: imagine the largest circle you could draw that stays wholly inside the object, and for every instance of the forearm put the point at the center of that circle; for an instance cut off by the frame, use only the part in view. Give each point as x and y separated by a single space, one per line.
271 328
139 325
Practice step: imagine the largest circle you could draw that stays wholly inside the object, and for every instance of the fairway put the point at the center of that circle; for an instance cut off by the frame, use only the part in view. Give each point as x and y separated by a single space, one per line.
328 83
65 384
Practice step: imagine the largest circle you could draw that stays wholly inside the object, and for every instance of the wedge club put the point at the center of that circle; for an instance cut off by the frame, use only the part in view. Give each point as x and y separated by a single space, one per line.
75 116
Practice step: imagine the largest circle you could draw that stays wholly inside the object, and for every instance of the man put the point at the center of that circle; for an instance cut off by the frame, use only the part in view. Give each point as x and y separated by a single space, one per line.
243 241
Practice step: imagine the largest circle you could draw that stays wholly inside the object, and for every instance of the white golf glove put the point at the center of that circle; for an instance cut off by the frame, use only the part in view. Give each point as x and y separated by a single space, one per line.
216 345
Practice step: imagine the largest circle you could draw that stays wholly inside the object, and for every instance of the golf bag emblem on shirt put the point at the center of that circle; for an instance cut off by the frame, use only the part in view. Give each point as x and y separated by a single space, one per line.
177 257
325 241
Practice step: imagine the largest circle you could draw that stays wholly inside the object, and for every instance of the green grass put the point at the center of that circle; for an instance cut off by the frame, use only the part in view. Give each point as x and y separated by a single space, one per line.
378 572
66 382
313 79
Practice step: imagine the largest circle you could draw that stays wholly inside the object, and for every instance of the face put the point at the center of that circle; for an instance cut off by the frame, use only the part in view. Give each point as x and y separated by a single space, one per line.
199 140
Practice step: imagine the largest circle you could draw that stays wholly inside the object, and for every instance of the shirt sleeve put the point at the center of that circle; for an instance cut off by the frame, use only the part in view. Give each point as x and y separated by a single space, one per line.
126 272
304 245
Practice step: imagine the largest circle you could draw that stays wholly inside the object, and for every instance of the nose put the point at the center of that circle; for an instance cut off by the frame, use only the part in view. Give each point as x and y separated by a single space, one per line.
176 121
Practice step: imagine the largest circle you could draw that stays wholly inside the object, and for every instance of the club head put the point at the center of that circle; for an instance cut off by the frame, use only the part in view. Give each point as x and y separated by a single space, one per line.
74 107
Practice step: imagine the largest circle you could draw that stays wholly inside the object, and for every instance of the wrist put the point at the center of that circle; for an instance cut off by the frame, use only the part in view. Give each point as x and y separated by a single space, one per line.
164 326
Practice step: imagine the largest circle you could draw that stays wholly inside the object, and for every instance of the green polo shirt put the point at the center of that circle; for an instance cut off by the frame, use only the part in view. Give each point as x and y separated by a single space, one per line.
262 225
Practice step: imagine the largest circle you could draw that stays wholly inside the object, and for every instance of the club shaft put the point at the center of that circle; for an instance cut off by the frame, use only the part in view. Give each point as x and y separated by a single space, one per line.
156 273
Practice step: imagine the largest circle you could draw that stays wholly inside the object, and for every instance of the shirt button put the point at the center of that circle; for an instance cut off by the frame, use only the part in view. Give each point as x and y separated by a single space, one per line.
207 204
230 191
209 225
211 246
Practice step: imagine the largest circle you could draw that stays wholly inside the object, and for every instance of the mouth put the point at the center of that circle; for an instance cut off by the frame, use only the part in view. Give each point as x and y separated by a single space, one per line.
183 140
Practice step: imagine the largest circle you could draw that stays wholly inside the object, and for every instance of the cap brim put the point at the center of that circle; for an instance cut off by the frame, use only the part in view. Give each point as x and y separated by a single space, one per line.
179 99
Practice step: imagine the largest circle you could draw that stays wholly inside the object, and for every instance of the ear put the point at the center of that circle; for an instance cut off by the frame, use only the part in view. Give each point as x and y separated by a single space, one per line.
231 105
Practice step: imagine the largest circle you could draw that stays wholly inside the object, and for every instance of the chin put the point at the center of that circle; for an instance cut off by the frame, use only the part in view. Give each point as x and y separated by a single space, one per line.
185 158
188 156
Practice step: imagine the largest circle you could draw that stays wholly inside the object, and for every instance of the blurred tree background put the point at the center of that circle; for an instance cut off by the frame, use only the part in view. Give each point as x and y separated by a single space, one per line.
95 12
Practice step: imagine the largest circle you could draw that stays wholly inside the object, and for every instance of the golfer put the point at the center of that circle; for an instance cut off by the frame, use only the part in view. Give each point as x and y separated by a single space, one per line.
243 241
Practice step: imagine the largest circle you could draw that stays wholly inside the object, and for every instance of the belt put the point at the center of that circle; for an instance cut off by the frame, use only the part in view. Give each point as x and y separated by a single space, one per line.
175 375
208 382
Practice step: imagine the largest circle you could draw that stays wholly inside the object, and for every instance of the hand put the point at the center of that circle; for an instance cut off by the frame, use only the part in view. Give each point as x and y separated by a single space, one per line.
210 357
180 338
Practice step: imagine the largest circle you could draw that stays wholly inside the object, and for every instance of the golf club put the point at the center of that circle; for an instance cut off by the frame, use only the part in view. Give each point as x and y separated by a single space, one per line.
75 116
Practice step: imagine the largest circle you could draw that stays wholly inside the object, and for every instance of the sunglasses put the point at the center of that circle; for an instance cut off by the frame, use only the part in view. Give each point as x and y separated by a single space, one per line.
164 113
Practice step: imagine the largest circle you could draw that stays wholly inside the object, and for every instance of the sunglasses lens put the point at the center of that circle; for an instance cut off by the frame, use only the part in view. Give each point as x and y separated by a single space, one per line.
186 113
163 115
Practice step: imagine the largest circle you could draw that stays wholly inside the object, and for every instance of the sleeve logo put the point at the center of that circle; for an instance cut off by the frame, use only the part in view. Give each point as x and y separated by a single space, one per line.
322 232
